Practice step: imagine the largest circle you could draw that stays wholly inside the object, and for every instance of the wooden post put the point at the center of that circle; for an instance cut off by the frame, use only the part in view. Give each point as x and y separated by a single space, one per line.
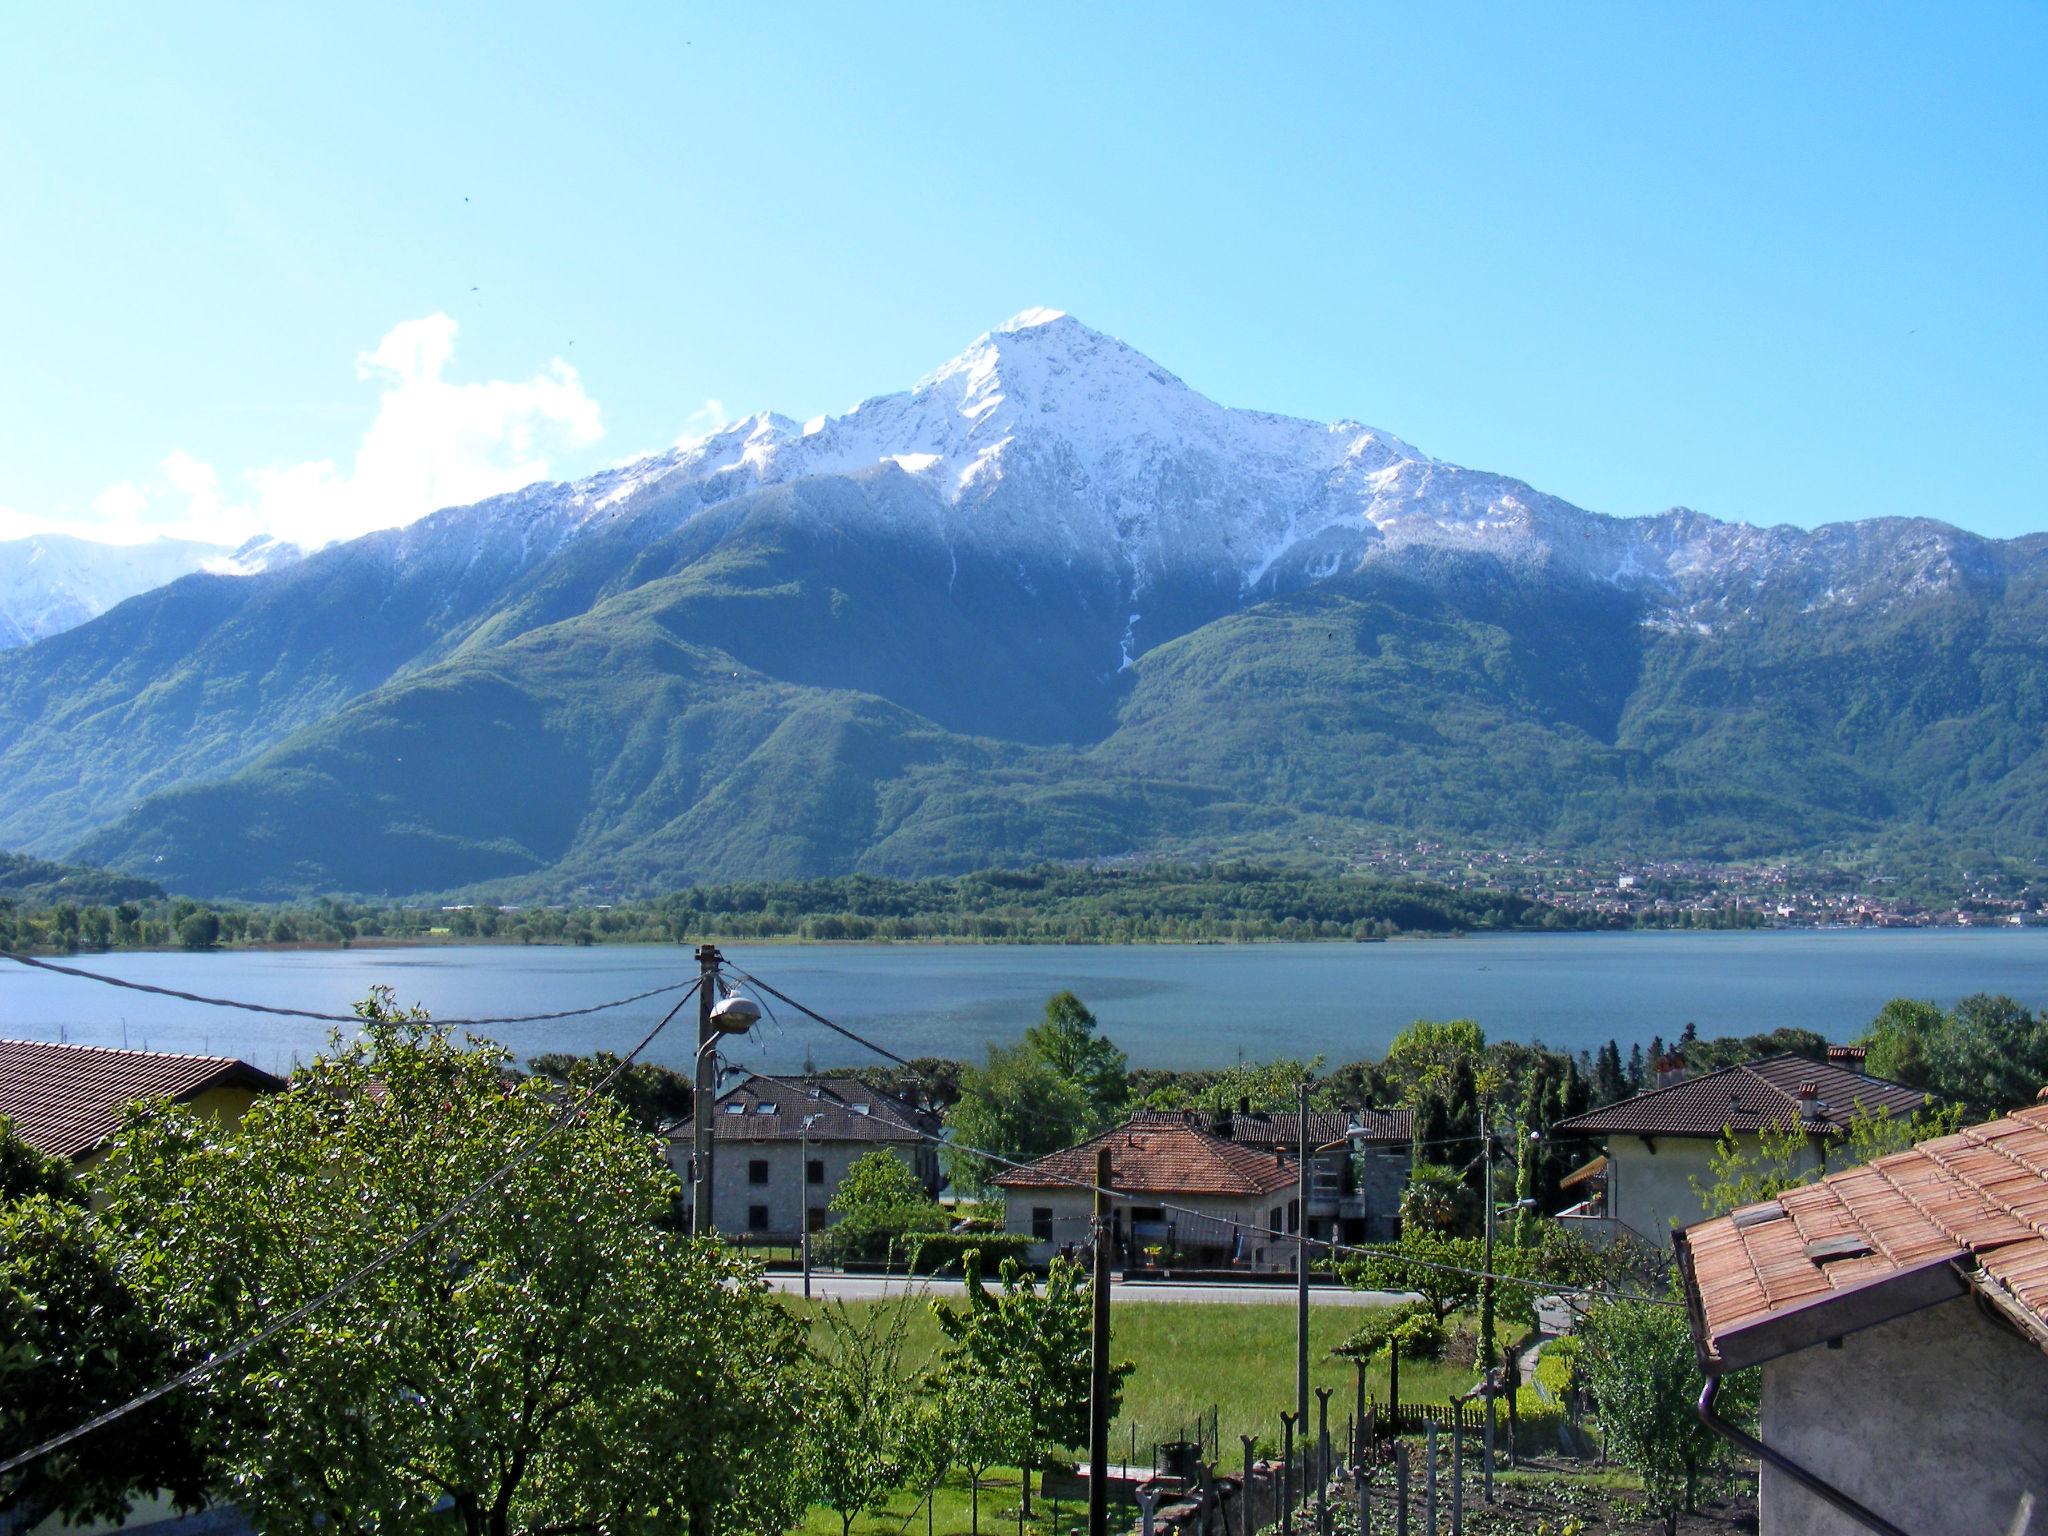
1429 1480
1364 1499
1287 1475
1458 1475
1098 1358
1400 1488
1358 1406
1394 1383
1323 1460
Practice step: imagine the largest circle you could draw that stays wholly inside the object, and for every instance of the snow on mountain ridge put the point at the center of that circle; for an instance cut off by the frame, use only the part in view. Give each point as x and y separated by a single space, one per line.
1046 439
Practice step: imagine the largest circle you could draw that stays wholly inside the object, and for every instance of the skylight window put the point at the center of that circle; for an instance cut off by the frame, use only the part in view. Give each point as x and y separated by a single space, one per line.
764 1109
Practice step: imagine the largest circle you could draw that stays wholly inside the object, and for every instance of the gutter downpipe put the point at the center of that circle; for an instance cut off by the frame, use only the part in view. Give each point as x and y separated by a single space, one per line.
1828 1492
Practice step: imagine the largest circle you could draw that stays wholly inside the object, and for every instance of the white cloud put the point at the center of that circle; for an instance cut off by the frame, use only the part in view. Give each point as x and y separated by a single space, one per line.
432 443
701 423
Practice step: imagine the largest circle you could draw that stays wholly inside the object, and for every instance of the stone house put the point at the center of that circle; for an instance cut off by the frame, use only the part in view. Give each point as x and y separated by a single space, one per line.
67 1101
1658 1143
1212 1191
1900 1314
771 1177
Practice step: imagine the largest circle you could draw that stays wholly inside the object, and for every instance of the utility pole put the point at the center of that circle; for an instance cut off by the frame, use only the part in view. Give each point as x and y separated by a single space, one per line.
704 1105
1301 1265
1486 1288
1098 1360
803 1203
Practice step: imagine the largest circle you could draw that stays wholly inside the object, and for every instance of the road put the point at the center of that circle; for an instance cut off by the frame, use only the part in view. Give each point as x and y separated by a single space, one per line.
873 1287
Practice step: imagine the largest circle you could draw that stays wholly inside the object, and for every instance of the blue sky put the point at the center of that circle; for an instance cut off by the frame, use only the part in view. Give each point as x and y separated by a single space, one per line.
313 269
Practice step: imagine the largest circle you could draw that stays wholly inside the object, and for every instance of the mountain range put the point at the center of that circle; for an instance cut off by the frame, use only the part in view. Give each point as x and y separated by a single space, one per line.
1050 603
51 582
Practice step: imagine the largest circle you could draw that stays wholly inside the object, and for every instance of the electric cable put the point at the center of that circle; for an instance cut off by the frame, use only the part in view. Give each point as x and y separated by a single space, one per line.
356 1277
324 1018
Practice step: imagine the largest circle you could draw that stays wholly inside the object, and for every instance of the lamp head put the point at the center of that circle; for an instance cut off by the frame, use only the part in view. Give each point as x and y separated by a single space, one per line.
735 1015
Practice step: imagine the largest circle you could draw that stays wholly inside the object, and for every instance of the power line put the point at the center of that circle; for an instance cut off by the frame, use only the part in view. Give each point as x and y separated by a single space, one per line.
324 1018
356 1277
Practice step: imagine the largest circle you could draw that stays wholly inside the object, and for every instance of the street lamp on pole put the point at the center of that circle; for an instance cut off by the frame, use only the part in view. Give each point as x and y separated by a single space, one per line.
734 1015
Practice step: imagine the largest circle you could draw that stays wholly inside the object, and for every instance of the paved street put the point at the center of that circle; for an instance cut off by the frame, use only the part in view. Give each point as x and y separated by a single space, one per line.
869 1287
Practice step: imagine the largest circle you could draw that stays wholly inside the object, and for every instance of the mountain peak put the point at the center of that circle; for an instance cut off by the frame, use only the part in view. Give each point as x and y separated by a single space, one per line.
1037 315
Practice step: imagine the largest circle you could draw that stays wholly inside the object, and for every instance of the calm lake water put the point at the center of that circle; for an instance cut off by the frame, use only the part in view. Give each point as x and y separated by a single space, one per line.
1168 1006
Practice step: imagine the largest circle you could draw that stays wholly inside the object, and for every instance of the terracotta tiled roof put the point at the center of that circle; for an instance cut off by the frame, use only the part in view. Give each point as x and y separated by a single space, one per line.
1747 1098
1874 1242
65 1100
845 1109
1281 1128
1159 1155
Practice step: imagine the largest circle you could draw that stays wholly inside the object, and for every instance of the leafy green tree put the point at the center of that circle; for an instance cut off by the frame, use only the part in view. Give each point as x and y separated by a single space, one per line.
1898 1042
76 1340
1645 1381
1068 1040
880 1204
1745 1169
1036 1337
549 1359
199 930
1991 1055
980 1407
1267 1086
860 1408
1443 1271
1015 1106
653 1095
1437 1200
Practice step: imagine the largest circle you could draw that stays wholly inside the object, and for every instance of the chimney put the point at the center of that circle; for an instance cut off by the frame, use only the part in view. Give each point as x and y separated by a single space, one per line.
1809 1100
1220 1123
1850 1058
1671 1069
1244 1104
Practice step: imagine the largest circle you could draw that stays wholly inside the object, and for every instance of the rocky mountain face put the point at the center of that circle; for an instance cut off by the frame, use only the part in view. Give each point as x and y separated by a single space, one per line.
1050 602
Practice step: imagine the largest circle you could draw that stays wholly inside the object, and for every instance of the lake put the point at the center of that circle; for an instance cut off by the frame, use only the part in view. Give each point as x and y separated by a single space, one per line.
1166 1005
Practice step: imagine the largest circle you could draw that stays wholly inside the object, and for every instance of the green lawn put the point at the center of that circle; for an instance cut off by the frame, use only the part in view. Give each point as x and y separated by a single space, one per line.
1190 1357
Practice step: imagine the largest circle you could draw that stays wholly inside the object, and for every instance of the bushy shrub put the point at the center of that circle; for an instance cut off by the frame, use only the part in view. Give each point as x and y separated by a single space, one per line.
1421 1336
1539 1424
928 1254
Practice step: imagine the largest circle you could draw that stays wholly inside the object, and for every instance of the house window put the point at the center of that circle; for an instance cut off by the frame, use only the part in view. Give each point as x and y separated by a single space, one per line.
1041 1223
764 1109
735 1109
757 1170
757 1218
814 1171
814 1218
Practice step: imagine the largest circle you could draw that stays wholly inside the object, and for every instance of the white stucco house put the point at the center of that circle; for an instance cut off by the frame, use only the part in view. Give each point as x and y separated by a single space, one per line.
1660 1142
1198 1190
780 1148
1899 1311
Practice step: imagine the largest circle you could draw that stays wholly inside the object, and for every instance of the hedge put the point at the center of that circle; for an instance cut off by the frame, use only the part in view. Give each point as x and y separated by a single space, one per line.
932 1252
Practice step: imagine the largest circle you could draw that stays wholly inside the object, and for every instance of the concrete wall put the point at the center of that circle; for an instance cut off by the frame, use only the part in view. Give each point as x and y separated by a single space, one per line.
1216 1220
1938 1421
1649 1181
785 1195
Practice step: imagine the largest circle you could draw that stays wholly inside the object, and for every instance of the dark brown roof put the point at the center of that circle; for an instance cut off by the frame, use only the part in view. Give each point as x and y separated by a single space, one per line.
1871 1243
1282 1128
65 1100
1161 1155
839 1108
1749 1097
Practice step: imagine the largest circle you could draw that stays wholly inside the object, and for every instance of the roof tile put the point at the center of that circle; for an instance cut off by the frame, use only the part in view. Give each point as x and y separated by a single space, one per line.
65 1100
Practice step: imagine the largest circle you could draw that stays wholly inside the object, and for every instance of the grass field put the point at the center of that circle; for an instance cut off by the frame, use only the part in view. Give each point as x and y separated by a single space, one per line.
1190 1358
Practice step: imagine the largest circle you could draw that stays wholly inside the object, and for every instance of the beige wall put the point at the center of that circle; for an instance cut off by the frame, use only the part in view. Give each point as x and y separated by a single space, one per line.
1938 1421
1650 1181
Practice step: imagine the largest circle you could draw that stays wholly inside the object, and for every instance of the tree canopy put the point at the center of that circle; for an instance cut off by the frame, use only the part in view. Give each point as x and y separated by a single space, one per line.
550 1358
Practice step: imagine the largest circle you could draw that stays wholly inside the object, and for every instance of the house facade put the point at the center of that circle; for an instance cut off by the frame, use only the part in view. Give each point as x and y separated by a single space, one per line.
1661 1143
67 1101
1899 1312
780 1148
1203 1191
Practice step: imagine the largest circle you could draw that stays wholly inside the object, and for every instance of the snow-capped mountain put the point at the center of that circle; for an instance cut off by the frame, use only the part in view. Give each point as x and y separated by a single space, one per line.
52 582
1046 440
1049 602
